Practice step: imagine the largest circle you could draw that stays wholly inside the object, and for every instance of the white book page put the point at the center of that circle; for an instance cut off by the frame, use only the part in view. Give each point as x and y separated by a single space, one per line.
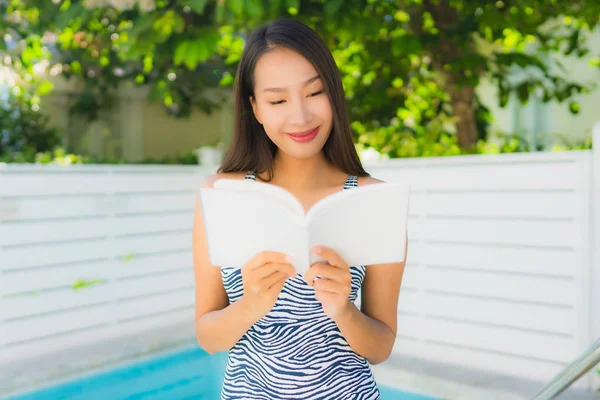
365 225
264 189
240 224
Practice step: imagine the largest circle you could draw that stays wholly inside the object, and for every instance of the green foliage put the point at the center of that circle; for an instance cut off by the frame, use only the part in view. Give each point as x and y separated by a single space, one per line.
407 145
24 130
405 64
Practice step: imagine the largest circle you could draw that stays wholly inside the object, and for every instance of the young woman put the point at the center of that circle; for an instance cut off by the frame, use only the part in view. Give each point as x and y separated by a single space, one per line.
292 336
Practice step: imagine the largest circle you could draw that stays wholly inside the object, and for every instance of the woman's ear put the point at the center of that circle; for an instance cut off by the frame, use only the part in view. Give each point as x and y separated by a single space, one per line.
255 110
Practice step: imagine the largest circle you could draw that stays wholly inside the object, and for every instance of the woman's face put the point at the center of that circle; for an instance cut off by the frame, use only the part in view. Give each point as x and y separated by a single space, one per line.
291 104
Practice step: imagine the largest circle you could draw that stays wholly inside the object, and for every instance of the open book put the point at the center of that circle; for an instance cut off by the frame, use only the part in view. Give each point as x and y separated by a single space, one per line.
364 225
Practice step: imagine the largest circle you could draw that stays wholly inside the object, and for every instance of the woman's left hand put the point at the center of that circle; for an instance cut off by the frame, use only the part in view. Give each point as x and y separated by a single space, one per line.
333 287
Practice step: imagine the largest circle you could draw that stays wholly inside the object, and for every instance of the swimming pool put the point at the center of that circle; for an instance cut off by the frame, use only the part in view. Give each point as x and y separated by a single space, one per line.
187 374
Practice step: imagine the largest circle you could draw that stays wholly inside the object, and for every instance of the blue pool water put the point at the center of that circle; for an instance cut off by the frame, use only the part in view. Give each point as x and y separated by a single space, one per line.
188 374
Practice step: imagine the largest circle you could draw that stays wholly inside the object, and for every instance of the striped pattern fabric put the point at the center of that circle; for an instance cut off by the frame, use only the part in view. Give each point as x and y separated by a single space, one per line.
296 351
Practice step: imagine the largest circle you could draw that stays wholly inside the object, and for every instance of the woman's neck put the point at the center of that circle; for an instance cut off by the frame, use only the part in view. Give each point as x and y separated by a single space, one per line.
296 174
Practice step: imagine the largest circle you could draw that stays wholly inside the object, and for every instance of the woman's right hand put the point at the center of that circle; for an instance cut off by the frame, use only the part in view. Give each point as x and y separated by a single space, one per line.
264 276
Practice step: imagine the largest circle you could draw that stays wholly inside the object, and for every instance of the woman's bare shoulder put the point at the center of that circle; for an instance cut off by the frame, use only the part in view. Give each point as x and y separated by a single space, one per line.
210 180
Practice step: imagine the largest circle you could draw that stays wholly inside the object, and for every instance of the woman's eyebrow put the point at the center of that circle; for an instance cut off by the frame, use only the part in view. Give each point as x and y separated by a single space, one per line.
308 82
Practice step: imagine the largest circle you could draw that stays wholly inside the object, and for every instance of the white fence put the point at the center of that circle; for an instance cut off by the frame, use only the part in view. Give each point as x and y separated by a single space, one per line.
500 267
127 227
501 274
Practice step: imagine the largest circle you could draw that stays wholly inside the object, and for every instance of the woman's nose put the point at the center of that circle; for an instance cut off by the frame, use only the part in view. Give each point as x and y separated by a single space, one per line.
300 114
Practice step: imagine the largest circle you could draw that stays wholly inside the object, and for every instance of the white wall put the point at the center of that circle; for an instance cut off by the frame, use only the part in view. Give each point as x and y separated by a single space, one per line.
552 118
133 128
500 271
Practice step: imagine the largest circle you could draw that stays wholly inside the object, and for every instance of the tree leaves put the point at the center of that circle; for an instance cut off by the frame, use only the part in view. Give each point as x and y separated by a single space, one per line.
66 17
44 88
198 5
192 52
408 50
331 7
237 6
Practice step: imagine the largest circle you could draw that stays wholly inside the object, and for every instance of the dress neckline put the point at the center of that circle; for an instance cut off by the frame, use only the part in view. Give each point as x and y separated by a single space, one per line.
351 180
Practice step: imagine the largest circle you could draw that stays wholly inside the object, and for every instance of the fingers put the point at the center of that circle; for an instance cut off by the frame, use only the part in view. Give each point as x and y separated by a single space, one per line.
265 284
325 297
268 269
331 256
272 280
277 286
265 257
329 286
327 272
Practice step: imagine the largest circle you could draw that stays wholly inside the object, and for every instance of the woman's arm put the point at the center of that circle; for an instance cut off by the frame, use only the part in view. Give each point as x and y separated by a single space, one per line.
218 325
371 331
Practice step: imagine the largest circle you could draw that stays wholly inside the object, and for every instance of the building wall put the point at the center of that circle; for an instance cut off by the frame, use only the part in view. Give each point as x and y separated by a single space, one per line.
553 118
167 135
134 128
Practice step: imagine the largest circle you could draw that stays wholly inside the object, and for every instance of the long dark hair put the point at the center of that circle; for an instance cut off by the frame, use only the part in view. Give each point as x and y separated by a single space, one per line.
251 149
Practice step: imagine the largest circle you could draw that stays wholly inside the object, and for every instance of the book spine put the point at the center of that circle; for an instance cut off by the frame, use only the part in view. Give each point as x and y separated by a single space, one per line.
306 249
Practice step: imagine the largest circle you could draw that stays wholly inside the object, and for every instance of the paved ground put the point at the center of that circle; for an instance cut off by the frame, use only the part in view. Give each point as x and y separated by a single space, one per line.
452 382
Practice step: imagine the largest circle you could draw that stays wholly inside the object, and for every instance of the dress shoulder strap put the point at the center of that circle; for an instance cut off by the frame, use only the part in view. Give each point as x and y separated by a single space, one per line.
250 176
351 182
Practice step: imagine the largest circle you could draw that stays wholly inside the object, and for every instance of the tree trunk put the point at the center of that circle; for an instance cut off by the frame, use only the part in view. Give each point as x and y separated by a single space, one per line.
462 99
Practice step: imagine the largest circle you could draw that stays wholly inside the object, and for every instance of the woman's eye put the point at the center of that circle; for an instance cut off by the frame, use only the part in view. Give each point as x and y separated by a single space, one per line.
275 103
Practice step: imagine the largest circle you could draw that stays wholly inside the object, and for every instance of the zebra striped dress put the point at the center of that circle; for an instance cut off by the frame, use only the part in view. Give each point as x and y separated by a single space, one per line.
296 351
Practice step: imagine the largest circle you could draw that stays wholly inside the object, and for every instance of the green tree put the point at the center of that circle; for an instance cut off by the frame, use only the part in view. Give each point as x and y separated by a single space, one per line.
410 67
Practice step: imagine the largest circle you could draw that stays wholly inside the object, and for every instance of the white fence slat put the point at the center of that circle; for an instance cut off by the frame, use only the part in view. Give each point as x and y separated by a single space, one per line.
410 325
53 324
12 234
178 179
519 343
55 207
594 248
520 260
35 182
33 280
453 175
148 285
409 301
148 224
517 288
515 204
152 244
53 254
30 349
152 203
154 304
36 304
542 318
152 264
480 359
528 233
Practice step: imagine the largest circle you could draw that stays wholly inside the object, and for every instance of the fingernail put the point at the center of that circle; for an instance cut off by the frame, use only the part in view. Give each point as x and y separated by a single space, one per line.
317 250
289 259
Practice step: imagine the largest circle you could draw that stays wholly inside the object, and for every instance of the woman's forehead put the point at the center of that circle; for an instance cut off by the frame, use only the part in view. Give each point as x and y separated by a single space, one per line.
282 69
